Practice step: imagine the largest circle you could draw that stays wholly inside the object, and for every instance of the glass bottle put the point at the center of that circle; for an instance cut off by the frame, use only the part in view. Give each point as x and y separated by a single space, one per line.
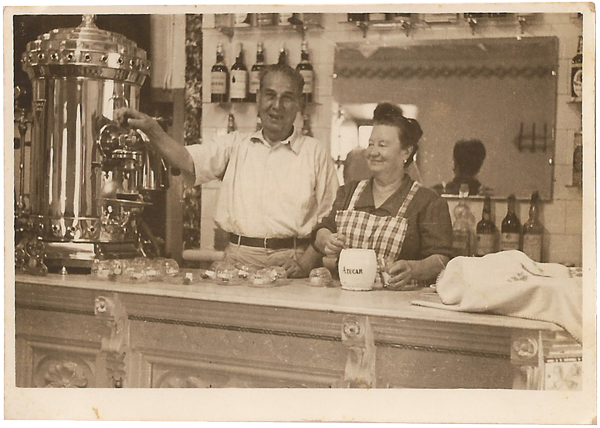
230 123
486 230
306 70
510 236
255 73
306 129
219 78
577 71
533 231
282 55
239 78
265 19
464 225
578 160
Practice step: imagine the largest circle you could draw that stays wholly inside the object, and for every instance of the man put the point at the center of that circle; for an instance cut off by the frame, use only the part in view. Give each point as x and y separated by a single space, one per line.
277 183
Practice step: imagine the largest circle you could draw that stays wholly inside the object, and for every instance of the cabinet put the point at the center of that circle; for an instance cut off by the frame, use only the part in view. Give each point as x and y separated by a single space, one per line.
80 332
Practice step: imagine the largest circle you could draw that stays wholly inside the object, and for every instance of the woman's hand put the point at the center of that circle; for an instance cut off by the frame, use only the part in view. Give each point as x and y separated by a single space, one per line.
331 244
137 120
401 274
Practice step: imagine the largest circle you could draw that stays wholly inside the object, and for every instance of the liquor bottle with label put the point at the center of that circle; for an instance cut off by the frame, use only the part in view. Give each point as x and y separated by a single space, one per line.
239 78
306 70
282 55
219 78
230 123
510 236
533 231
577 71
464 225
306 129
486 230
255 73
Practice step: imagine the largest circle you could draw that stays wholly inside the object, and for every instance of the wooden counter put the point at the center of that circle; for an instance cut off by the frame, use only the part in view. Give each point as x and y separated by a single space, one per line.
78 331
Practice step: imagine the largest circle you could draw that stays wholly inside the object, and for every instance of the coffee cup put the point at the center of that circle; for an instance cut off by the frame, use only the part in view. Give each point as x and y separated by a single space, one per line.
357 268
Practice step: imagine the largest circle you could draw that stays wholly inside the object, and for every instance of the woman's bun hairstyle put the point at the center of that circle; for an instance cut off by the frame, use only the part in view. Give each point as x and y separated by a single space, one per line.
410 130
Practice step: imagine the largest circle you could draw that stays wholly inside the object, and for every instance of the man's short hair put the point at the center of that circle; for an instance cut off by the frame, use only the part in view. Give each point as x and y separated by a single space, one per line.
286 70
468 156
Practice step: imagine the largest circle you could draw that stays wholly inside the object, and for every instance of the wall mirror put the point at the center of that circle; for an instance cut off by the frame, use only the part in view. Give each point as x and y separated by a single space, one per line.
499 91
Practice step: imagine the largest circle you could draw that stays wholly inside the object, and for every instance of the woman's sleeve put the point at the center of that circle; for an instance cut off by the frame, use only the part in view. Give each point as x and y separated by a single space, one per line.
435 229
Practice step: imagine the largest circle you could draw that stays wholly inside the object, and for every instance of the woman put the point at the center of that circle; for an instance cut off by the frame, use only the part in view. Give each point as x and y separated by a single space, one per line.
468 158
390 213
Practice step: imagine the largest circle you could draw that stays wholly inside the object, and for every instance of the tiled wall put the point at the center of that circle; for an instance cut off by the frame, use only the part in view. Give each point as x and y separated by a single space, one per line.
562 217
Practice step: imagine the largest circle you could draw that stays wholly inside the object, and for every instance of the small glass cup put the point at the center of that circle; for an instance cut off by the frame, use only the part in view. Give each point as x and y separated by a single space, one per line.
320 277
134 271
101 269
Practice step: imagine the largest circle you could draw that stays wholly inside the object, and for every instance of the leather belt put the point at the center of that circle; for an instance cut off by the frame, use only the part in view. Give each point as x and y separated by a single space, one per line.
269 243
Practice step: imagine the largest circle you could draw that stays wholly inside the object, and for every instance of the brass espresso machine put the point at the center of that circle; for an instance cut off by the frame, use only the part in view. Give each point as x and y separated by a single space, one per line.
90 178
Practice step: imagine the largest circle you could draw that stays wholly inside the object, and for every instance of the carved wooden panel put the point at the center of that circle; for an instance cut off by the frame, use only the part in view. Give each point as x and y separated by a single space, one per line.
563 376
258 359
56 370
55 349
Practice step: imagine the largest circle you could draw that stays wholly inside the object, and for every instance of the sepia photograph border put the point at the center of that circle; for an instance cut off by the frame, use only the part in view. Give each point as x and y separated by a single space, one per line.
315 405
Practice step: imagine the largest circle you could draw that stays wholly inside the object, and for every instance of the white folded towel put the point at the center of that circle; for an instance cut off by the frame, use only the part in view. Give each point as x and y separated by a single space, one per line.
510 283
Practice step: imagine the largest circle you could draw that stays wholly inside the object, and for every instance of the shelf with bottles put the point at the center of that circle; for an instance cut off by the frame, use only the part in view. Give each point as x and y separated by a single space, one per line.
409 22
479 239
238 85
230 23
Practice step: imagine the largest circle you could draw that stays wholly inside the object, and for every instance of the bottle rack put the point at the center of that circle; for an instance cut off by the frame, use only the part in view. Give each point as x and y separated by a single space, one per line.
299 22
474 21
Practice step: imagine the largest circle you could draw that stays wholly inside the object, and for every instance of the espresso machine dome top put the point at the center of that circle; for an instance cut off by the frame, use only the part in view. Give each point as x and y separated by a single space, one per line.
86 51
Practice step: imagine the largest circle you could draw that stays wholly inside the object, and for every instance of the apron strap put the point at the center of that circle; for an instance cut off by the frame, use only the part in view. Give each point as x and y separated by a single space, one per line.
411 193
357 192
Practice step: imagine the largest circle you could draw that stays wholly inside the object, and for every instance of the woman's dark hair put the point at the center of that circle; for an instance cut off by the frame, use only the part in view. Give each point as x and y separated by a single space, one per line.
468 156
409 129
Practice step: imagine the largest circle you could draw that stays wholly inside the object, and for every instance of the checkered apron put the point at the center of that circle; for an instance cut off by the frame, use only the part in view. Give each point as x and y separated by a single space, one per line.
385 235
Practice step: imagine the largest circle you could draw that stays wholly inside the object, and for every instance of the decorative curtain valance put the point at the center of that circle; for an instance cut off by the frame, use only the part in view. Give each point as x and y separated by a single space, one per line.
487 58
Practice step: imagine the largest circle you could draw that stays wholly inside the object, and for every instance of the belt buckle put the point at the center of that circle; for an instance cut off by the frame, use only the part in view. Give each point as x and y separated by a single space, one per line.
265 243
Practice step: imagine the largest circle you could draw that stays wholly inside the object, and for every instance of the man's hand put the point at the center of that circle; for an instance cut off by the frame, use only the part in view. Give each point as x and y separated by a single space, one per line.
294 269
137 120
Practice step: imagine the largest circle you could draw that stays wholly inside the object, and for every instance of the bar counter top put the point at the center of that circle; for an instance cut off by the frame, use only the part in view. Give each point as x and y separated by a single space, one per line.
297 295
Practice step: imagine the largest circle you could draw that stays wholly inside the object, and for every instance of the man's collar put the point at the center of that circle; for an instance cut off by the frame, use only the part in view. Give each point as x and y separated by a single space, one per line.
293 141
